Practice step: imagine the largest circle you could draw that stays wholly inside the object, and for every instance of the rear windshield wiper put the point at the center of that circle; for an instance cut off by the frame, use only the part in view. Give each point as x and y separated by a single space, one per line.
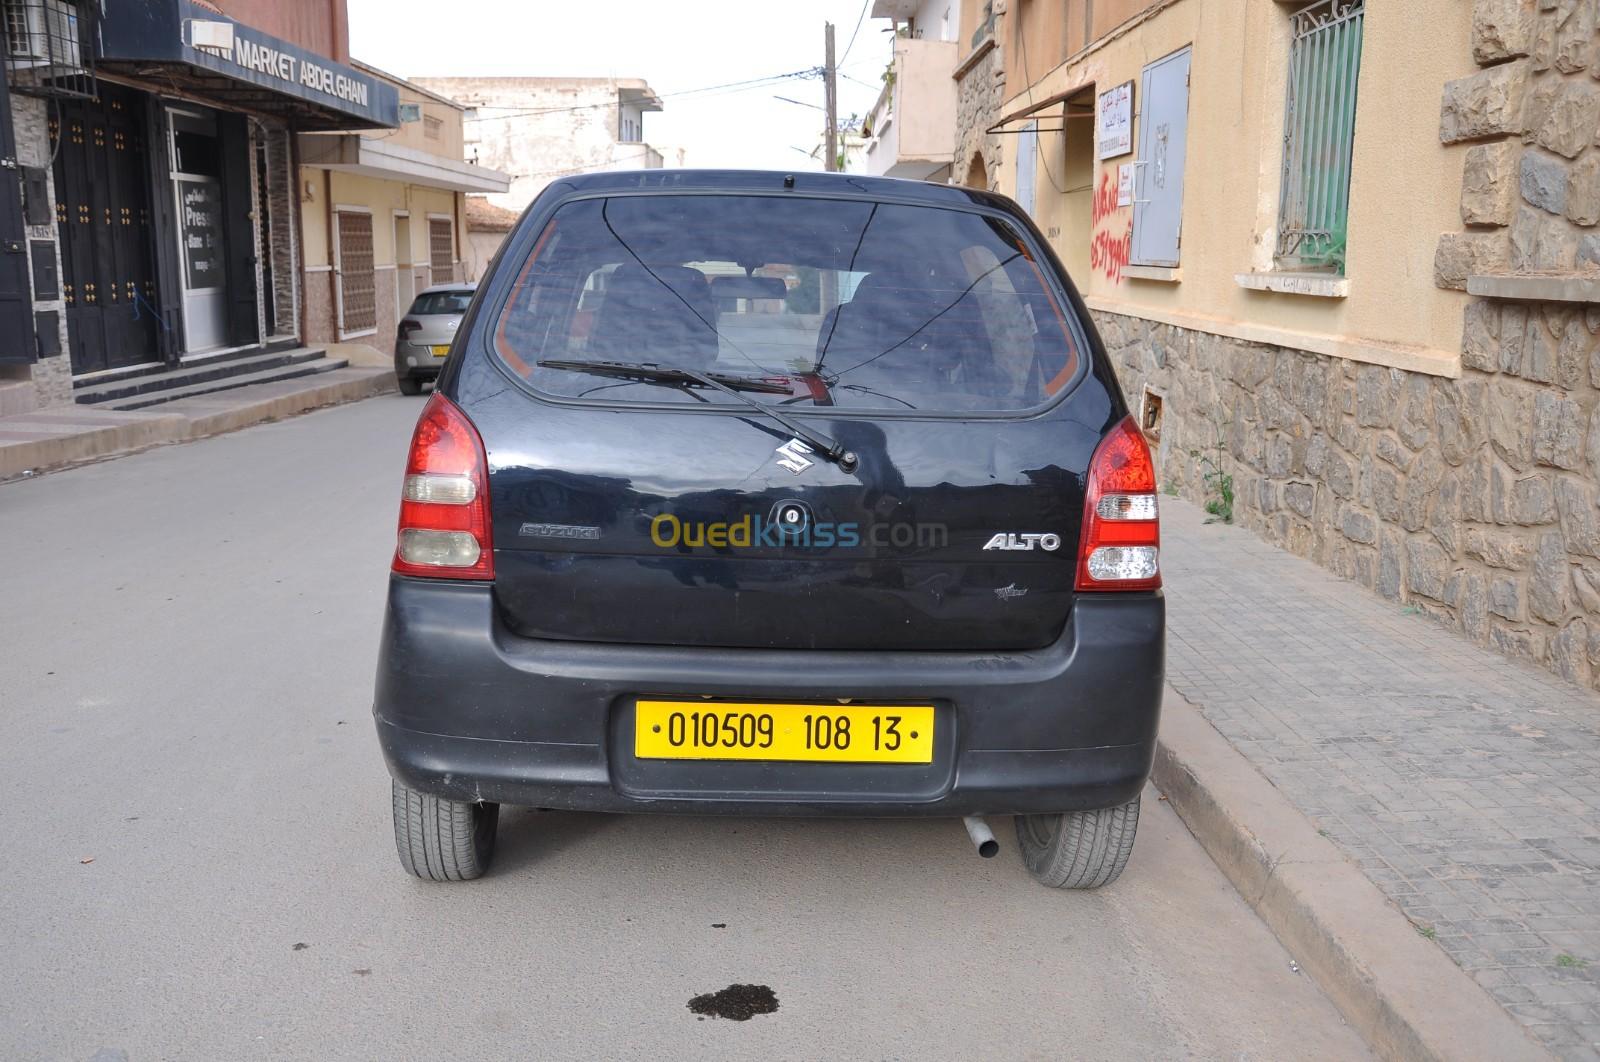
648 373
731 385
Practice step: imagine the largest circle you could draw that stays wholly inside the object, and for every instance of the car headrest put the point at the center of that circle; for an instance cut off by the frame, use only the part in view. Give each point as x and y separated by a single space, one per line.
662 314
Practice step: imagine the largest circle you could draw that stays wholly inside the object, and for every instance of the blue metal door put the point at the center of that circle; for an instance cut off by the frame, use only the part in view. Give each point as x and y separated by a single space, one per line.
1027 166
1158 183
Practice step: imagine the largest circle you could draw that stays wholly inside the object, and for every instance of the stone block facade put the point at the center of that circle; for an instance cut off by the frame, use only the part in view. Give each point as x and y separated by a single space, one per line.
51 377
1472 500
1531 183
980 90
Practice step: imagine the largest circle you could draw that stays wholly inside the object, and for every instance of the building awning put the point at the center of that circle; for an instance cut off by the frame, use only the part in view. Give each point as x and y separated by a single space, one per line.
198 51
391 162
1031 110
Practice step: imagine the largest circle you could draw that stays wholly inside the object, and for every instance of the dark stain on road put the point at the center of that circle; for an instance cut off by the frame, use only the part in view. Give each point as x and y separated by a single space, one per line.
719 925
736 1002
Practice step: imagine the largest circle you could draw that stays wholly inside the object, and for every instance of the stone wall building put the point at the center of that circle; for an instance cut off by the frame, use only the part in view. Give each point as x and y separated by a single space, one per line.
980 86
1364 300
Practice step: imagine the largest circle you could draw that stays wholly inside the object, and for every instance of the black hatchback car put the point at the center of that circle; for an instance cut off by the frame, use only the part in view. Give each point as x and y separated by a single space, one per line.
759 494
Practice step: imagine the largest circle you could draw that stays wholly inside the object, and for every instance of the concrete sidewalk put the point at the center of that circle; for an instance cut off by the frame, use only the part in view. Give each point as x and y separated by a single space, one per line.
1463 785
57 438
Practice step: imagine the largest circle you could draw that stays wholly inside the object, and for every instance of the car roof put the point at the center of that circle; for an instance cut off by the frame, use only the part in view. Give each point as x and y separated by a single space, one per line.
436 288
851 184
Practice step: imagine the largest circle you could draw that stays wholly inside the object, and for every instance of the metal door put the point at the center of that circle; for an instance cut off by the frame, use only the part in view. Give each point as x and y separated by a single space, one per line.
1158 182
441 250
1027 166
103 220
17 343
357 287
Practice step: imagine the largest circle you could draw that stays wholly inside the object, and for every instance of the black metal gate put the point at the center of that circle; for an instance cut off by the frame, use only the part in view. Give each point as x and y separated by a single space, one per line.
16 302
103 212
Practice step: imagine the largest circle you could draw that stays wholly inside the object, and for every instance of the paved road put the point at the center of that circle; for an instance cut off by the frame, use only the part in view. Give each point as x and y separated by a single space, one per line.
198 861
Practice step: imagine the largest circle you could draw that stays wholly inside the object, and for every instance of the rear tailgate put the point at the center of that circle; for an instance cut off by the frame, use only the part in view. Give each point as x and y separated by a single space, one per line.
937 344
892 557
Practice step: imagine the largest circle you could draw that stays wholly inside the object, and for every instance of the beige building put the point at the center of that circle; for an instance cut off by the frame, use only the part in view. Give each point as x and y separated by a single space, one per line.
384 217
537 129
1351 283
911 130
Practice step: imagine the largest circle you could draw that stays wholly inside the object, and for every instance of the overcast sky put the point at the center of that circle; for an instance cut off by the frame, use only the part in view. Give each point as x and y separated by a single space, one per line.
676 47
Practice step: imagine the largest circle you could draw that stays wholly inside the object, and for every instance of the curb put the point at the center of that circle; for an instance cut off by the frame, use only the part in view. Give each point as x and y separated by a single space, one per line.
1401 992
188 419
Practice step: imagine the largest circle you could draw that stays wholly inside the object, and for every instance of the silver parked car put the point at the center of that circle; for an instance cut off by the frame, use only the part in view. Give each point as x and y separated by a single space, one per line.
426 332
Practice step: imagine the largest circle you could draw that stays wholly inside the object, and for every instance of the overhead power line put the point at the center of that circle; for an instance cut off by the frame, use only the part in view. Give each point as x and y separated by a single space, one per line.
810 72
859 20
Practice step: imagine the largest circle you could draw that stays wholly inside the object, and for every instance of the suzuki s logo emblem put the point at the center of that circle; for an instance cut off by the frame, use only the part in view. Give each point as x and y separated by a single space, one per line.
1012 540
793 456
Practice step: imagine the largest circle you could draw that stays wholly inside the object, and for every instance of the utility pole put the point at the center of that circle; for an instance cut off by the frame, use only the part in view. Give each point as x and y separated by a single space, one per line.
830 88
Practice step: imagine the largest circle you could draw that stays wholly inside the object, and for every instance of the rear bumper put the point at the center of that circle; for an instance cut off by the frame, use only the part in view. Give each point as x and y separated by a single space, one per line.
418 361
470 711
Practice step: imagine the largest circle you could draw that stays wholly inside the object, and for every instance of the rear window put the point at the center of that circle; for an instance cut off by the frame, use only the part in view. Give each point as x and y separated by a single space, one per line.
435 302
819 302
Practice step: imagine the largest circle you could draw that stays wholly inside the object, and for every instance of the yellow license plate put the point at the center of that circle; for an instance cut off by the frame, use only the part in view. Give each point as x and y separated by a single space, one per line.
440 349
711 730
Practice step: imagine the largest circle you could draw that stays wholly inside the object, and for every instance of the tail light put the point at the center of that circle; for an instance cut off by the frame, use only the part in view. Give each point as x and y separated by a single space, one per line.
1121 543
444 507
406 328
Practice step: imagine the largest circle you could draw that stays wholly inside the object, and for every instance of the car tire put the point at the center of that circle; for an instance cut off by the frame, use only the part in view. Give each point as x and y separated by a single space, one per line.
1078 849
409 385
443 840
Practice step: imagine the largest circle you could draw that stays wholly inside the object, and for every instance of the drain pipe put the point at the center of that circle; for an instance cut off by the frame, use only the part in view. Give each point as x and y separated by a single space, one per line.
982 837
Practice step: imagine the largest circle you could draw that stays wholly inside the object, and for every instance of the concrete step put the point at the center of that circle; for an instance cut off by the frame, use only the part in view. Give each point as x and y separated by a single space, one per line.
155 380
62 436
311 367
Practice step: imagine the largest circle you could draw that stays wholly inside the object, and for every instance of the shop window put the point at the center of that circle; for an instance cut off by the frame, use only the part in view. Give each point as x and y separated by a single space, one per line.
1319 135
357 287
441 250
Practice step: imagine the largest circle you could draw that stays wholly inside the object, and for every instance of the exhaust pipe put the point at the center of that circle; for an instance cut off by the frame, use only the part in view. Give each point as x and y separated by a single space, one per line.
982 837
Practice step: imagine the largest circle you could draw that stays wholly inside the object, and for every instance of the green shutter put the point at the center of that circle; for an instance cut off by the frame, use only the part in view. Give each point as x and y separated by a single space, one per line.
1318 135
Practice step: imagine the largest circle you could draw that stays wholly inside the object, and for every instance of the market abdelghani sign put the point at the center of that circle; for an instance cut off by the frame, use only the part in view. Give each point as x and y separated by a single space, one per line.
183 32
221 38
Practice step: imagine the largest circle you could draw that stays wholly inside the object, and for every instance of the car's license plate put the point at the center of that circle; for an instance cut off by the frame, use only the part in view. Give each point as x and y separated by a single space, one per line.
440 349
711 730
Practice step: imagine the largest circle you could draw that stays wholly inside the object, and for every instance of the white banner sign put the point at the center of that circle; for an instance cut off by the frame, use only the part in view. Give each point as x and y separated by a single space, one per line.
1114 130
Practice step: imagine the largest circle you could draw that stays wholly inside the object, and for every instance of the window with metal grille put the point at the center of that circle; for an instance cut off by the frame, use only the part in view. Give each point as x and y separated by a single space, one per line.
441 250
358 288
1318 135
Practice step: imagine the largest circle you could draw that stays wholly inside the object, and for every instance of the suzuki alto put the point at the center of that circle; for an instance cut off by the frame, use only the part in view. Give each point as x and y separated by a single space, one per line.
762 494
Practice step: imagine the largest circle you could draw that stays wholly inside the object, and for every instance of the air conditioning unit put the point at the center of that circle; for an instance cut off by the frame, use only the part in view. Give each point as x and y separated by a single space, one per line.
42 33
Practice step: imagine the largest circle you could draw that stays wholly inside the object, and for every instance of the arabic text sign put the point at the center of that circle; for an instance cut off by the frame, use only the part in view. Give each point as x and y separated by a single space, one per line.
1114 124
